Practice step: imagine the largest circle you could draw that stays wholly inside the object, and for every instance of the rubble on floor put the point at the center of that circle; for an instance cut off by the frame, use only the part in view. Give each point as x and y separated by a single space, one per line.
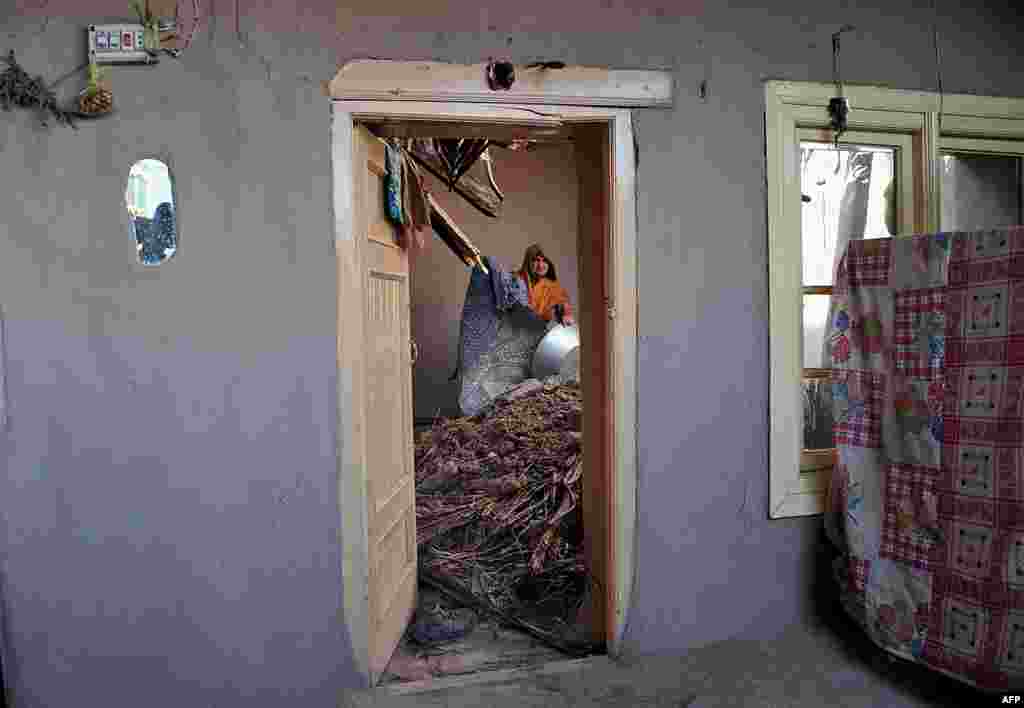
489 646
498 509
438 621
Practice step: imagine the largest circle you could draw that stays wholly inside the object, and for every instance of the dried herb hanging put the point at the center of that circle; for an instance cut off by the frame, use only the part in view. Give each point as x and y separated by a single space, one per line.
17 88
96 99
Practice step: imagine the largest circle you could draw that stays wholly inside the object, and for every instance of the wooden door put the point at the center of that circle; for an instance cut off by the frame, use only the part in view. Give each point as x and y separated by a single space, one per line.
593 164
387 415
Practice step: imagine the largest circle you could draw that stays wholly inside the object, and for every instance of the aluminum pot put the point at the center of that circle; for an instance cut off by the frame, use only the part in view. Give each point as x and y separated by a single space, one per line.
558 346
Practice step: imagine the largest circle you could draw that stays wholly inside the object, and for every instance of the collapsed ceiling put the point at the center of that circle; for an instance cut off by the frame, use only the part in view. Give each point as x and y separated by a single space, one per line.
459 155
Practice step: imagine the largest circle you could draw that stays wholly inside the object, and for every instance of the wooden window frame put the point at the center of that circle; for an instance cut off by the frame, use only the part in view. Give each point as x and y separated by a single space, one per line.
978 123
815 464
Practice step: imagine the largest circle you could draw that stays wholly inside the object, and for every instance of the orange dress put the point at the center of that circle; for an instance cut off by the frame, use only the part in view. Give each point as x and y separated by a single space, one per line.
544 295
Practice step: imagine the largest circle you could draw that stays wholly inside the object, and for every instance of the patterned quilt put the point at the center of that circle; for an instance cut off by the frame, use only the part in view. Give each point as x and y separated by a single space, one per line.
497 336
926 507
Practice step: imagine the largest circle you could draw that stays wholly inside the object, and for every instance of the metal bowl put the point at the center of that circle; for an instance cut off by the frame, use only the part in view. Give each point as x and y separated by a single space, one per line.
557 347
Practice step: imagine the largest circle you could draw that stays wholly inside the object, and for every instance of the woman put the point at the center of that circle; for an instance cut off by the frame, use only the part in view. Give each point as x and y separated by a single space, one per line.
545 292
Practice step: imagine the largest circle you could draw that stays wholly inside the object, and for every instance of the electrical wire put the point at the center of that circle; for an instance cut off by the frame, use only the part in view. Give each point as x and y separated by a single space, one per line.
838 106
835 64
938 58
195 25
238 25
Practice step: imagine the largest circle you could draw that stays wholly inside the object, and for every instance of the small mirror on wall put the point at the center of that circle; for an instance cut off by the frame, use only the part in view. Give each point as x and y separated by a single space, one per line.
149 198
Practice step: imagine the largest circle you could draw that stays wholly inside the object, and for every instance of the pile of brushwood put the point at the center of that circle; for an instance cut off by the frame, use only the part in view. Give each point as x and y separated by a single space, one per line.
498 509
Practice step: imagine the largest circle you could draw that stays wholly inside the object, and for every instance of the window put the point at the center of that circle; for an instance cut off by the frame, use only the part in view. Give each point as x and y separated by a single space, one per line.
894 173
856 191
981 183
149 198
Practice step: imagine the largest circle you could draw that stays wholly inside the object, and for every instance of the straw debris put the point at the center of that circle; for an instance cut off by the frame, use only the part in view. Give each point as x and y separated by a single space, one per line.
497 504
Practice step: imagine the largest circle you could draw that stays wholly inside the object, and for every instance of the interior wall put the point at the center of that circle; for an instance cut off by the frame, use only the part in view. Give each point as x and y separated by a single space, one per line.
169 491
540 188
168 523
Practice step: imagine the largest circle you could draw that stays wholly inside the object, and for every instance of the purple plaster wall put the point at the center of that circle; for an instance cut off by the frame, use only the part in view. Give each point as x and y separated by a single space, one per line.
169 494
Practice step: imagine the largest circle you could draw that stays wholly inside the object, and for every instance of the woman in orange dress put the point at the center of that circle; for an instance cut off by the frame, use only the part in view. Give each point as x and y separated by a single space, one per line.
545 291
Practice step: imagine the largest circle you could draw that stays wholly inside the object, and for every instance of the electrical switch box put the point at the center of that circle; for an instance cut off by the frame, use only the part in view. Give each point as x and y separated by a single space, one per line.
118 44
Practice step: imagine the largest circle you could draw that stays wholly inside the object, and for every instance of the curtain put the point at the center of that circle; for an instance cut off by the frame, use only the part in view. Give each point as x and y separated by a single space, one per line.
836 186
838 206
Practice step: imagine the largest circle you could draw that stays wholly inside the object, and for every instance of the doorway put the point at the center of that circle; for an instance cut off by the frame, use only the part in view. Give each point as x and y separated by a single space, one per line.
494 592
606 262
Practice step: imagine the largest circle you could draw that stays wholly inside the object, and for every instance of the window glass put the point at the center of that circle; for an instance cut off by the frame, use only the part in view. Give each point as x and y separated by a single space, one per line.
816 308
818 423
149 198
846 193
980 191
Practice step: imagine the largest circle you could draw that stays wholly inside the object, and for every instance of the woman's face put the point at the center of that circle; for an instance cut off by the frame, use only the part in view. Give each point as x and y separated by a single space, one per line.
539 266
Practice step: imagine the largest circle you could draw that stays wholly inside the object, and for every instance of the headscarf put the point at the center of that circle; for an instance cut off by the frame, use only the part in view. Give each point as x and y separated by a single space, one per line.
531 253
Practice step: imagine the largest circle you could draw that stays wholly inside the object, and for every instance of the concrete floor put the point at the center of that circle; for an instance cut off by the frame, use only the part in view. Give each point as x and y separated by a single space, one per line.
826 662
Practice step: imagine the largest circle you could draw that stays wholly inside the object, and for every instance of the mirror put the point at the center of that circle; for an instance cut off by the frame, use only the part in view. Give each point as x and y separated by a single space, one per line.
149 198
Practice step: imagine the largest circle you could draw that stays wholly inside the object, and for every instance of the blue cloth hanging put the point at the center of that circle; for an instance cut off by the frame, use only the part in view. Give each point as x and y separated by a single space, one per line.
497 336
393 194
156 237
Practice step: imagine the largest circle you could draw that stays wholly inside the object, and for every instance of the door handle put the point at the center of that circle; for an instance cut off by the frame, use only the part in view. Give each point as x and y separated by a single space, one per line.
414 351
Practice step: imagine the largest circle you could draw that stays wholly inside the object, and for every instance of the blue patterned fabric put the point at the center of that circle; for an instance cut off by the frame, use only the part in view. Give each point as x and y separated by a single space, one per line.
509 289
497 337
156 238
393 183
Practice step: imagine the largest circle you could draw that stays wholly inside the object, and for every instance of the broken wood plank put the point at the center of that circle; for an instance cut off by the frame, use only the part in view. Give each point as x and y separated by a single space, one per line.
576 649
468 187
461 154
452 235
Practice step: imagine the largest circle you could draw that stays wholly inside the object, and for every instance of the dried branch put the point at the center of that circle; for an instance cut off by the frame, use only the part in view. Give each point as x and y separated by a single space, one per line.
496 496
481 196
17 88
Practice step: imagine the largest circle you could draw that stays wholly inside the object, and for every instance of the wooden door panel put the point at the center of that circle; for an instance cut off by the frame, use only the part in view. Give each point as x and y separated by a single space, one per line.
390 511
394 558
593 162
388 455
384 368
